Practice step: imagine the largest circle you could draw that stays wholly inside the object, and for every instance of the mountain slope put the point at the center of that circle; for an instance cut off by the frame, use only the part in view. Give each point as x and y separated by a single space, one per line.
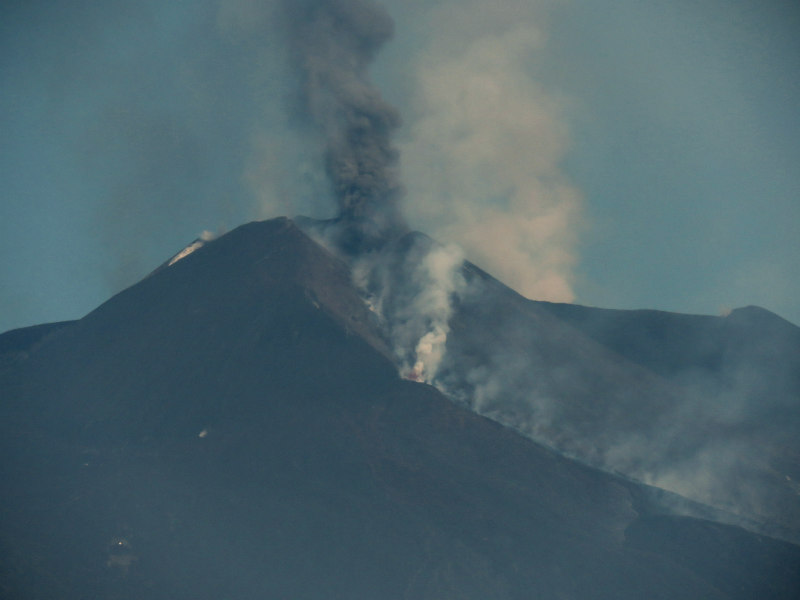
233 426
739 382
704 406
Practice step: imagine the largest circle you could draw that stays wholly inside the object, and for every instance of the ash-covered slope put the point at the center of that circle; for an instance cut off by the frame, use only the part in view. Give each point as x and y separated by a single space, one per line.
708 407
233 426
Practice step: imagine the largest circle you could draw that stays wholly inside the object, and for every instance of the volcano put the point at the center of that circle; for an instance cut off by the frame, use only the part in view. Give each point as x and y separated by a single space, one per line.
234 426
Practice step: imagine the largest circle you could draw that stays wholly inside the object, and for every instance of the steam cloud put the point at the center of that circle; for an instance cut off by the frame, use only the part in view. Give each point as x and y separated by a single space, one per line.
412 288
332 42
485 145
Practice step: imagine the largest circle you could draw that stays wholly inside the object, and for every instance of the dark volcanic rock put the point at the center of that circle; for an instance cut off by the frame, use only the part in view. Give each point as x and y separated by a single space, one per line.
17 344
233 427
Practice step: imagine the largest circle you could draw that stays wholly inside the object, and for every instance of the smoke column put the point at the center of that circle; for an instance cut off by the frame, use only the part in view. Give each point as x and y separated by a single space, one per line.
332 43
486 143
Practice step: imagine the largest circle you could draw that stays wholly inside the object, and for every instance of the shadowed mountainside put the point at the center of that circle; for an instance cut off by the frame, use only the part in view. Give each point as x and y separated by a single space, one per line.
234 426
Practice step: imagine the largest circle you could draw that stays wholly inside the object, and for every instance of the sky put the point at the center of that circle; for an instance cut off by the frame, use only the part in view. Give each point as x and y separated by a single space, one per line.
632 154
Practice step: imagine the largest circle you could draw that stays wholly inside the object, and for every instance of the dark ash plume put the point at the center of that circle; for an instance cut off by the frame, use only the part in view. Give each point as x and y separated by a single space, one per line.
332 43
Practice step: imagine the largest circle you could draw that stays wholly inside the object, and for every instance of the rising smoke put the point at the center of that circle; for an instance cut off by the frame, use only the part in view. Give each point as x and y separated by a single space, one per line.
484 150
332 42
412 286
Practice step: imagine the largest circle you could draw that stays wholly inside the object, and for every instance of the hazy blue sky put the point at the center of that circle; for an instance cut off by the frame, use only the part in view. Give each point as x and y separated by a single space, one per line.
635 154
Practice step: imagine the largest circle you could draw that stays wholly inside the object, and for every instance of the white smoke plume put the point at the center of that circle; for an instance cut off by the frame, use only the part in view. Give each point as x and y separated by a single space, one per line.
482 156
413 293
440 277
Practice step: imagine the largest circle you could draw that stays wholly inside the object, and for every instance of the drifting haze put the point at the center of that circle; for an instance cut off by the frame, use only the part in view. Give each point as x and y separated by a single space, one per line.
483 158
